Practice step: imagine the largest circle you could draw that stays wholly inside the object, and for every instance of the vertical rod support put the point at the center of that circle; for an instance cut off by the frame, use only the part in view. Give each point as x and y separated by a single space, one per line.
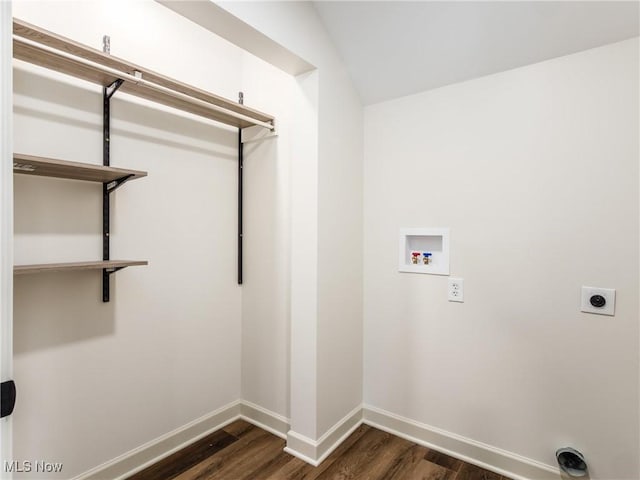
240 188
106 117
107 93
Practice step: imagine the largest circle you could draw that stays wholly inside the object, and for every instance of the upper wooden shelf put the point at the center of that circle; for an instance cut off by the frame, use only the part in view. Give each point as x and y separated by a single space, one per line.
63 267
52 167
41 47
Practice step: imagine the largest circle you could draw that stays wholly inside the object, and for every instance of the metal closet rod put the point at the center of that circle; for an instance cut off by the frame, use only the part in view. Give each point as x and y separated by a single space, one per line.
142 81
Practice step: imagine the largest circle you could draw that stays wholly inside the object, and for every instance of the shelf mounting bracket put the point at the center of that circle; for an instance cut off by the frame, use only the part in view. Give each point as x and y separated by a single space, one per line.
111 270
240 187
115 184
113 88
107 188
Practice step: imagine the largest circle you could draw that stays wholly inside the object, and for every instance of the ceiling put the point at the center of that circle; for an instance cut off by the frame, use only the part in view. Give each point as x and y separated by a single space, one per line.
397 48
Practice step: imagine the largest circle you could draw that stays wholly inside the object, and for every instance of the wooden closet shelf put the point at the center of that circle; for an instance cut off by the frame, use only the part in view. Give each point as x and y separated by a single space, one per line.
41 47
62 267
52 167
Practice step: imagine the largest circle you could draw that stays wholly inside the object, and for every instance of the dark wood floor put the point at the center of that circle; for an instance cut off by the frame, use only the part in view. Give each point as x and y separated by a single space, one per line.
241 451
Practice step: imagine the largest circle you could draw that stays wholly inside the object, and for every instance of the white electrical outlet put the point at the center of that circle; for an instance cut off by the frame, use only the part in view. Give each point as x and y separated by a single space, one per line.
456 290
598 300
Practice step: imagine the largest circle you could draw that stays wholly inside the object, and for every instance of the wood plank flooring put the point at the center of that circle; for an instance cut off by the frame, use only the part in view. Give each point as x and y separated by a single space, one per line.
241 451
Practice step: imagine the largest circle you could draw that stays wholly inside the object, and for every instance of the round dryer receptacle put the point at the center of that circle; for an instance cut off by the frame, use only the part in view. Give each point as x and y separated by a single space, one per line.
571 461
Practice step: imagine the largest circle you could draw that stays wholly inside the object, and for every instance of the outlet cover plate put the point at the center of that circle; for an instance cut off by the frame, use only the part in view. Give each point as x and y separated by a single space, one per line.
609 294
456 290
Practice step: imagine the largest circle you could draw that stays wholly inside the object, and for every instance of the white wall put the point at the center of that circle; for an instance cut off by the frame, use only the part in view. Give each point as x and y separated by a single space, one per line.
97 380
265 290
336 334
535 171
340 256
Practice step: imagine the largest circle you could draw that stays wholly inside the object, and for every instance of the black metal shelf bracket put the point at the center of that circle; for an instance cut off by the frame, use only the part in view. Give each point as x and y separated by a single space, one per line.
107 188
112 186
111 89
240 188
109 271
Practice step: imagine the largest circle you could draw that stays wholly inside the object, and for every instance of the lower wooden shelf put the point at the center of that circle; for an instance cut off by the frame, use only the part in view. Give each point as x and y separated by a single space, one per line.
63 267
53 167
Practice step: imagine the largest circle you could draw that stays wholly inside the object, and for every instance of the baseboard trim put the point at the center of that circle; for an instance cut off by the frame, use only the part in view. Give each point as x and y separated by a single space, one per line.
315 452
151 452
471 451
265 419
337 434
302 447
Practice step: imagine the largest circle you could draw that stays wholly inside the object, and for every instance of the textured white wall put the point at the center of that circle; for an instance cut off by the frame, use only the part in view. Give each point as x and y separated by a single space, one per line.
535 171
97 380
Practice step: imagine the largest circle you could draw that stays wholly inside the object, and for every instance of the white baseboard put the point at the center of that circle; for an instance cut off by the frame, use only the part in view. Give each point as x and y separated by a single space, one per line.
302 447
265 419
151 452
486 456
339 433
315 451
